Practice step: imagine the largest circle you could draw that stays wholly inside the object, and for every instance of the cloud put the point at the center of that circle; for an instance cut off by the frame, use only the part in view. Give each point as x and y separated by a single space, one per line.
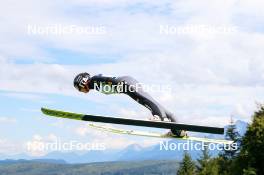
7 120
34 78
40 145
26 96
29 110
113 140
10 147
143 26
212 75
138 112
197 81
82 130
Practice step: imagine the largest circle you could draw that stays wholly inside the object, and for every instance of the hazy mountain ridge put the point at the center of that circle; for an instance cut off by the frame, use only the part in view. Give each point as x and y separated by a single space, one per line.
133 152
11 161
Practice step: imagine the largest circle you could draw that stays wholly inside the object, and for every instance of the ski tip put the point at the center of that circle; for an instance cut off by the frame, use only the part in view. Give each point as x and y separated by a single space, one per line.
43 110
62 114
46 111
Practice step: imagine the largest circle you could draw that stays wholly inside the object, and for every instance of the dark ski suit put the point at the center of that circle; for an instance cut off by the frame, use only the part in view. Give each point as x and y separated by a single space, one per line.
98 82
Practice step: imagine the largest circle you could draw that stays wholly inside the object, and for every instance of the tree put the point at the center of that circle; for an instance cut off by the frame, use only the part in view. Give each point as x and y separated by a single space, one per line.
226 157
251 157
204 159
230 151
206 165
187 166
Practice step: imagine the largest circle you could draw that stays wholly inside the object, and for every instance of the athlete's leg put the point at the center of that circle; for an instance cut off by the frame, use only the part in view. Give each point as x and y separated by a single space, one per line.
146 100
142 97
172 118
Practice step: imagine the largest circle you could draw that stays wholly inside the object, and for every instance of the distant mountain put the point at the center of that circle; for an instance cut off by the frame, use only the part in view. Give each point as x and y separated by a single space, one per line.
241 127
175 151
133 152
90 156
9 161
149 153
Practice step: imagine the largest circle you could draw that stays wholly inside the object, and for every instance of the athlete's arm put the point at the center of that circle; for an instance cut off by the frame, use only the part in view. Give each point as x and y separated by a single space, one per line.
98 79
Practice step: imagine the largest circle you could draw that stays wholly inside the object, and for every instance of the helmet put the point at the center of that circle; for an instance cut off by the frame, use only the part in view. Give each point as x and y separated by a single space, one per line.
80 81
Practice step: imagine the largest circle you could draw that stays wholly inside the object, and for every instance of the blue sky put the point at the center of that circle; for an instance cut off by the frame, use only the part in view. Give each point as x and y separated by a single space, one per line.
212 75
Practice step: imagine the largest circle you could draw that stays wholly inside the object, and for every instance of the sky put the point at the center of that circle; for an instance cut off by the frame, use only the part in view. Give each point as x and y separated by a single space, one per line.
209 52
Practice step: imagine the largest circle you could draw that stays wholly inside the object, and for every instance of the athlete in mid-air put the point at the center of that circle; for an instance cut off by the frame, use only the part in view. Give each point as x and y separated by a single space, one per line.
83 82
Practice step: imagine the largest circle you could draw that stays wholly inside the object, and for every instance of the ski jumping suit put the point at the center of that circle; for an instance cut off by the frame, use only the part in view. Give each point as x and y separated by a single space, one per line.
98 81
